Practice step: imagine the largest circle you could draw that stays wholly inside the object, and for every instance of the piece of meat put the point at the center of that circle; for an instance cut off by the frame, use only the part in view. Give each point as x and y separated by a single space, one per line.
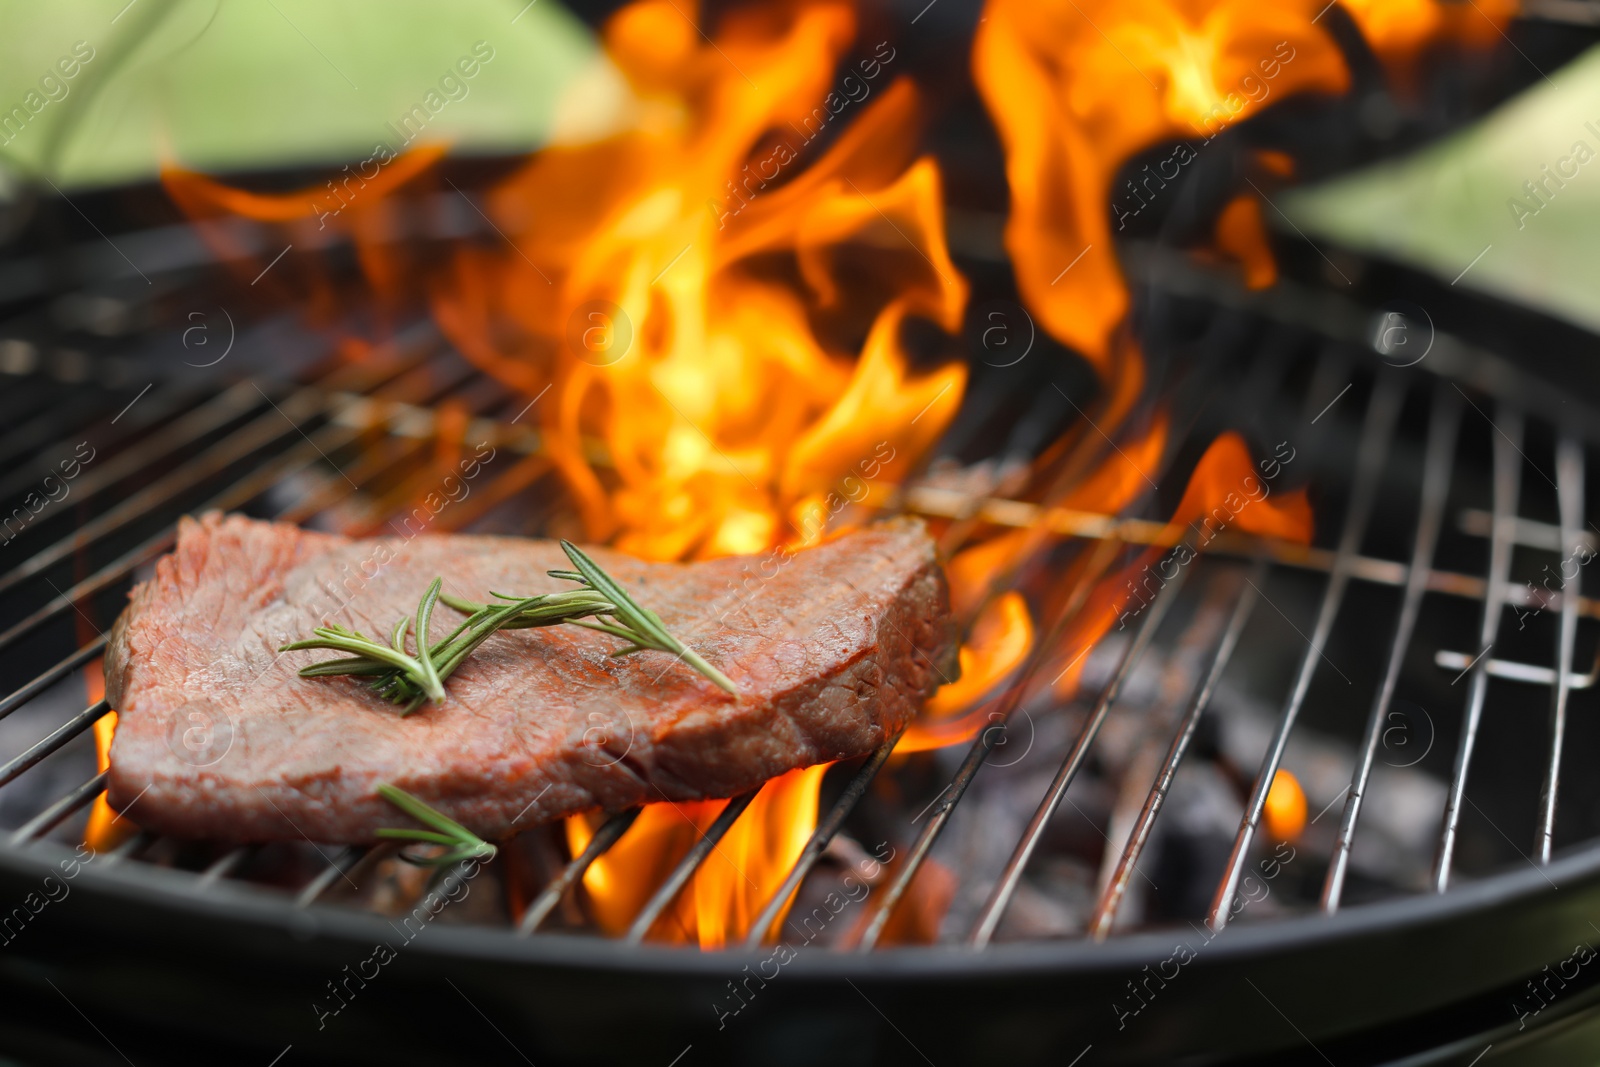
833 649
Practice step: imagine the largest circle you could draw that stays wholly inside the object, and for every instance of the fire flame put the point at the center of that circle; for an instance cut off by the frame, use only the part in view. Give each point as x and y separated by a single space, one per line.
1225 493
737 406
726 416
722 378
734 882
1398 30
729 423
106 829
1242 236
1076 89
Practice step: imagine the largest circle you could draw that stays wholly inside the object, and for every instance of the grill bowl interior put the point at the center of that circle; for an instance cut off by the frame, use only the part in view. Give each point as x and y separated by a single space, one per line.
164 950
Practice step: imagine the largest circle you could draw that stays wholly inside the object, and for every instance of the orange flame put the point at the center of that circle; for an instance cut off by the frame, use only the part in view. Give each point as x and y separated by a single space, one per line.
1242 236
1225 492
729 423
1076 88
734 883
1222 494
305 213
715 305
1398 30
1001 639
725 415
106 828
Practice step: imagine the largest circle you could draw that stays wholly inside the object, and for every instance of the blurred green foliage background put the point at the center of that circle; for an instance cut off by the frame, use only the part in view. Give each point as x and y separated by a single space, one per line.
224 85
1442 206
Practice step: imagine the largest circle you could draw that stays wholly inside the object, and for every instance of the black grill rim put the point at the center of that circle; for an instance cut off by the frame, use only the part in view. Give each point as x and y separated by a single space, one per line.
148 885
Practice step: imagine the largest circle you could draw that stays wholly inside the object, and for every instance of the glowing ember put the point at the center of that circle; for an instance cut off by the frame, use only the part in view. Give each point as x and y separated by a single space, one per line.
1284 814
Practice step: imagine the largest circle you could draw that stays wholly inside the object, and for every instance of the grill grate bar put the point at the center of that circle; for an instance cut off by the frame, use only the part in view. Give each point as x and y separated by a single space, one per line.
51 817
1105 913
994 909
341 866
63 733
687 866
1512 671
1507 483
308 451
824 833
951 795
25 442
131 848
1093 525
270 426
52 675
97 581
602 840
1569 481
1382 412
225 865
1099 559
201 418
1445 422
253 437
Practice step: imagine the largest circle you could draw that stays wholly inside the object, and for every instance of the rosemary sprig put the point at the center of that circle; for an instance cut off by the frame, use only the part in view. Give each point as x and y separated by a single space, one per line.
639 626
410 680
463 843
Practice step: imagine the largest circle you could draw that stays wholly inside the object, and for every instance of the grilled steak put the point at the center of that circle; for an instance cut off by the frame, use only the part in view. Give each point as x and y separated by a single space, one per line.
833 649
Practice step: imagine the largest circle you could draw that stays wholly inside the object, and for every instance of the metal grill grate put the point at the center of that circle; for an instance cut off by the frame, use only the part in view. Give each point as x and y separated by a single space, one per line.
357 430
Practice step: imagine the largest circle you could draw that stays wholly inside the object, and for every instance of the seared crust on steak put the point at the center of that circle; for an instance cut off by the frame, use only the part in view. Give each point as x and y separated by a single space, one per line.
833 649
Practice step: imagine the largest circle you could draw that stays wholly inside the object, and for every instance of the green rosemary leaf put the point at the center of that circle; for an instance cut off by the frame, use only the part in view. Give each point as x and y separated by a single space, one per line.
468 642
331 639
549 609
571 576
397 636
358 665
412 680
599 580
607 628
466 607
399 677
417 835
446 831
431 683
636 623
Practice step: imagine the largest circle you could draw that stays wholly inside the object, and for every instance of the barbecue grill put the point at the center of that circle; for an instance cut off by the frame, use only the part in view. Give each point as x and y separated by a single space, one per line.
1414 623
